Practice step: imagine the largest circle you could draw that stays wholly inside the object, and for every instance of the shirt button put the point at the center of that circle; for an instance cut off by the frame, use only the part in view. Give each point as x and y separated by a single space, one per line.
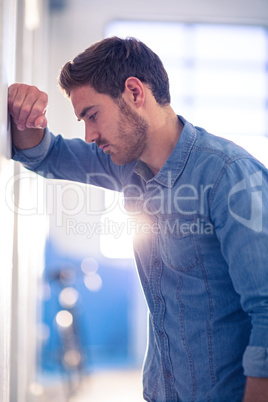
156 262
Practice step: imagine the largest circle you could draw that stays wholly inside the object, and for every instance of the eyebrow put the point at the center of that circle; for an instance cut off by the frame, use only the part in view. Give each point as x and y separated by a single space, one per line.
84 112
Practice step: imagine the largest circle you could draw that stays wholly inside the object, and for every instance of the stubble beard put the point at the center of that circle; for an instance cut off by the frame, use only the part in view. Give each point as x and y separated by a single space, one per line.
132 133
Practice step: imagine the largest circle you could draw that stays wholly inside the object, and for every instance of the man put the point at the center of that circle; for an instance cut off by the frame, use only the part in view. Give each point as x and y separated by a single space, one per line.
200 206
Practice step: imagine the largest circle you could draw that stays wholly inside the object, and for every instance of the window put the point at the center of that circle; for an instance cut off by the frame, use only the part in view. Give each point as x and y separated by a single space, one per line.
218 76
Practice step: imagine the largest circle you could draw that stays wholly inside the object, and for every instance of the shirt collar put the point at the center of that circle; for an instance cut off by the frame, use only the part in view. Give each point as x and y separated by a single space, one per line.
174 165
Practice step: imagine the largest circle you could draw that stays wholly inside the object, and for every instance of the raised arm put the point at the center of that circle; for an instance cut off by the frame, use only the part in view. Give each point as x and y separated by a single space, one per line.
27 106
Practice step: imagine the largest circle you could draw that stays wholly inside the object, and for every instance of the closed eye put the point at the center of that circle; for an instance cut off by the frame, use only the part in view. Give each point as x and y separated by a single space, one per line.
92 117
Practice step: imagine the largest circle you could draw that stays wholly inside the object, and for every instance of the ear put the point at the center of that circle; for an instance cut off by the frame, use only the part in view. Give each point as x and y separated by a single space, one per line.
134 91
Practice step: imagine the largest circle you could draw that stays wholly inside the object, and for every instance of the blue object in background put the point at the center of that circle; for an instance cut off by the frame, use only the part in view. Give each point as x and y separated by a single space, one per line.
101 329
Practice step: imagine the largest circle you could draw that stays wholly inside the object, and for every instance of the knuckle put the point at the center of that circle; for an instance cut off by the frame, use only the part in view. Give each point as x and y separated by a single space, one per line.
11 90
34 91
44 96
14 86
43 100
39 109
26 109
22 89
16 105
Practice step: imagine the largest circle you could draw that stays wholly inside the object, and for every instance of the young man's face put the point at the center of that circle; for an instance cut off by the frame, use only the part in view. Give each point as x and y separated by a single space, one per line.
114 126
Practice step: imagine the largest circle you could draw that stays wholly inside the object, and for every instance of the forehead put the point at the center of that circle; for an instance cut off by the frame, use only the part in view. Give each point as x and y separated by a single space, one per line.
85 93
82 93
85 96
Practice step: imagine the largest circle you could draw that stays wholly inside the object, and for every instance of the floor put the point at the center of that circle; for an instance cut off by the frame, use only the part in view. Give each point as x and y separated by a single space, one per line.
103 386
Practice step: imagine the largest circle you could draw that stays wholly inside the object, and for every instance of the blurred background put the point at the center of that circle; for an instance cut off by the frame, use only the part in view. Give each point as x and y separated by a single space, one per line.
72 314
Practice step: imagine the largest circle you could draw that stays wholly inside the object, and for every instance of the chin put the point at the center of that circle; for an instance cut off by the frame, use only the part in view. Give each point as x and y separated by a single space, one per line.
119 161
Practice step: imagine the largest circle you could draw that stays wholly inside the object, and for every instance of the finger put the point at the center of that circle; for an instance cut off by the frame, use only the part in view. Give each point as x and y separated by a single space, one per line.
38 110
40 122
33 106
12 91
16 96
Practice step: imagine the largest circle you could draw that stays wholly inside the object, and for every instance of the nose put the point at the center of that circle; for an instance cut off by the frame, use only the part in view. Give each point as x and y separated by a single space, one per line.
90 135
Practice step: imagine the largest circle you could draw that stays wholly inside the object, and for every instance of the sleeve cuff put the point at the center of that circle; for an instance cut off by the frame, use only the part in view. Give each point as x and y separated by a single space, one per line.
255 361
33 156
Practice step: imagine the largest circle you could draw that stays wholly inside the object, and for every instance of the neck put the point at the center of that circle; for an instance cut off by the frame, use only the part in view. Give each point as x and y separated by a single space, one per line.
163 136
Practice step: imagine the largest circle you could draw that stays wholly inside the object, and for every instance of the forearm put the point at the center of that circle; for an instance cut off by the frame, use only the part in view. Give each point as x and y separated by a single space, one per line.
256 390
28 138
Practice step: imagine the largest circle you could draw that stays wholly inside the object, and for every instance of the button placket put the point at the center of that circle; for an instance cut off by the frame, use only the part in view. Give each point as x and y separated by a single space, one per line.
158 317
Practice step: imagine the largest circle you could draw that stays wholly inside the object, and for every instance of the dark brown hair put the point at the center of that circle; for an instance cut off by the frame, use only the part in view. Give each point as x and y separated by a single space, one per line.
107 64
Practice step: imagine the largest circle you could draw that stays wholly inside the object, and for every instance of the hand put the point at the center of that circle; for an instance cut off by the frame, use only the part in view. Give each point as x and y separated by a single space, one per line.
256 390
27 105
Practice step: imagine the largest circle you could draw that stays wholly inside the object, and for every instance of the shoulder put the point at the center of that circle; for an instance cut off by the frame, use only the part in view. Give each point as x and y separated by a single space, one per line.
219 163
210 144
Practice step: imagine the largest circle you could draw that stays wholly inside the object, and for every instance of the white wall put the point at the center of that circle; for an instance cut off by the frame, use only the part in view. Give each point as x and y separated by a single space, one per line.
30 223
7 70
21 50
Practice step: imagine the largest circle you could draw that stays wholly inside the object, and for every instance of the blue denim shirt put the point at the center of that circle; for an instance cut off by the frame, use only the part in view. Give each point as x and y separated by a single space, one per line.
201 250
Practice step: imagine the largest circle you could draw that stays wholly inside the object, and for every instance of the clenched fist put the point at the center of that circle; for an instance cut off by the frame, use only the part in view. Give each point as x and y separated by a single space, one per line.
27 105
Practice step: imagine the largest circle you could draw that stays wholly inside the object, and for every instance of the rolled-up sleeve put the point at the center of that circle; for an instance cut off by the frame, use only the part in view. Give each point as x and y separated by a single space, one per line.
255 361
32 157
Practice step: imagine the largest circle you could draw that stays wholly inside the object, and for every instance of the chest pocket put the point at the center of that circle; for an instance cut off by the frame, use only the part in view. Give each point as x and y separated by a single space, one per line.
178 242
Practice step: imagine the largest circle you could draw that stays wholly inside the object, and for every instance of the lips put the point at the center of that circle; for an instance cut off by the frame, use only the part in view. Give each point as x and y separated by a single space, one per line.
104 147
